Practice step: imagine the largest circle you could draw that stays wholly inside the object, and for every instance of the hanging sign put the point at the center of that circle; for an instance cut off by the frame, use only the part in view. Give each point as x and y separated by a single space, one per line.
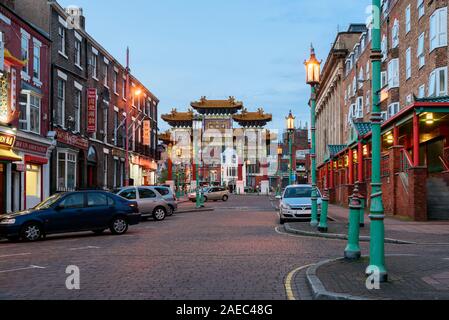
146 133
91 110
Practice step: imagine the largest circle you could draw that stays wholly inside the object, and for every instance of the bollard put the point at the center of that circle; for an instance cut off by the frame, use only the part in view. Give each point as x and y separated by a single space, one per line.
323 228
352 251
362 211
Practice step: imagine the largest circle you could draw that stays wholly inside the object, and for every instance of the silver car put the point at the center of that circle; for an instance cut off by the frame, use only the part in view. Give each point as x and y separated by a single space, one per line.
296 203
212 194
168 195
150 202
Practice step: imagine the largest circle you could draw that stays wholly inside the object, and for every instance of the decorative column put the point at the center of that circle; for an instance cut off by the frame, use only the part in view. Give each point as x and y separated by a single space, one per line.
377 216
351 167
416 139
360 183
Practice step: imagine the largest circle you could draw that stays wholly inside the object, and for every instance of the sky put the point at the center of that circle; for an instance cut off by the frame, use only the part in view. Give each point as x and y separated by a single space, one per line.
253 50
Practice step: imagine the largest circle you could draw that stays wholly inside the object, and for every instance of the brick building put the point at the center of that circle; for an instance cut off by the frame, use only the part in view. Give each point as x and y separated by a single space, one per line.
24 112
89 103
414 103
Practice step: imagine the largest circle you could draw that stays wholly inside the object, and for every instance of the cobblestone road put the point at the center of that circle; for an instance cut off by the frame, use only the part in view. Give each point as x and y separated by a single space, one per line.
232 253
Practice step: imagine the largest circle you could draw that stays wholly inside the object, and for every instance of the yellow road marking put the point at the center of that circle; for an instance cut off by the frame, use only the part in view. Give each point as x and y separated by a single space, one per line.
289 280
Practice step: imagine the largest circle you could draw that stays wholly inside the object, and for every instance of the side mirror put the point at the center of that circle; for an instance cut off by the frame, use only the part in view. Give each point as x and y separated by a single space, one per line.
278 197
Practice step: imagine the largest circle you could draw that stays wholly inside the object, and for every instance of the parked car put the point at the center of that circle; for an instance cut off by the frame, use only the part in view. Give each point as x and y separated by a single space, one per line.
212 194
168 195
72 212
151 203
296 203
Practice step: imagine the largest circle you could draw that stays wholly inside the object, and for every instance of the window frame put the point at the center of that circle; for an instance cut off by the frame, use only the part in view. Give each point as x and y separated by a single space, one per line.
28 106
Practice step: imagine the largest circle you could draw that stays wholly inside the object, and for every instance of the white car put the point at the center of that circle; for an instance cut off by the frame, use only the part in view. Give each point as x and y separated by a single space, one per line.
296 203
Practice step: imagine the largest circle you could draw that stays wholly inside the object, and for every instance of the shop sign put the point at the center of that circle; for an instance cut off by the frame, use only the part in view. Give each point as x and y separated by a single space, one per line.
147 133
91 110
32 147
71 139
118 153
7 141
4 96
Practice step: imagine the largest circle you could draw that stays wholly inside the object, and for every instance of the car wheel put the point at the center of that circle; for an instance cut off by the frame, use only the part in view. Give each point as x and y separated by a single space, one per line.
119 226
170 211
159 214
31 232
98 232
225 198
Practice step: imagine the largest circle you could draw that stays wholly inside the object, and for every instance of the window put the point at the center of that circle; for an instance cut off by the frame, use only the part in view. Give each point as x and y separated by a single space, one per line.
105 170
420 54
62 39
60 107
393 73
383 79
368 72
395 34
106 75
116 127
77 53
438 29
408 25
30 111
421 9
361 78
359 111
384 47
146 194
97 200
74 201
124 89
368 102
408 99
25 43
129 194
393 109
384 115
408 63
37 61
95 66
354 86
438 82
115 81
422 91
105 124
77 110
66 171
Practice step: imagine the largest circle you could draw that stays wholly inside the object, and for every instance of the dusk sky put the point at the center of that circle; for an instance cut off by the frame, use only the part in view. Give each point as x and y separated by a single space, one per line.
251 49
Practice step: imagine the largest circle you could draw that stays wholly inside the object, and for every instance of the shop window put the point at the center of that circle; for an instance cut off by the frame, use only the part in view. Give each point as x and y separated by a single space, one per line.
30 111
33 181
66 171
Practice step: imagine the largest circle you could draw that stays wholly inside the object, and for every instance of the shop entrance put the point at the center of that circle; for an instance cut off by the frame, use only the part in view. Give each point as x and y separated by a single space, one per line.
92 168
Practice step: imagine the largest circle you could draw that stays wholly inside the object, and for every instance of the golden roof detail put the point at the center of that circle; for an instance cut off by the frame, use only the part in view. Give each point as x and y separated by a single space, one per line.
204 103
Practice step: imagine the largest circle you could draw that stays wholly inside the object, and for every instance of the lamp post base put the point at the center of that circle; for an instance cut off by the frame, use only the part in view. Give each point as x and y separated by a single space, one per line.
323 229
352 255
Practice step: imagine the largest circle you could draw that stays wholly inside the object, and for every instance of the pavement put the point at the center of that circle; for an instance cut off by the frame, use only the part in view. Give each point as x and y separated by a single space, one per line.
237 251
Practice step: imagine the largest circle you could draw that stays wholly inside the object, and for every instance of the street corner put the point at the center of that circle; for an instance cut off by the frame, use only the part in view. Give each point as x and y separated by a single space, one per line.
411 277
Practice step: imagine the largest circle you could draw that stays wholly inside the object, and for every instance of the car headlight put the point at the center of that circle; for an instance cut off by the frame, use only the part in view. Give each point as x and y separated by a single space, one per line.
286 206
8 221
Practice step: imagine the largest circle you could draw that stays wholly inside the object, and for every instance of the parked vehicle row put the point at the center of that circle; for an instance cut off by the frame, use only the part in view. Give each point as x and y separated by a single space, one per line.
94 211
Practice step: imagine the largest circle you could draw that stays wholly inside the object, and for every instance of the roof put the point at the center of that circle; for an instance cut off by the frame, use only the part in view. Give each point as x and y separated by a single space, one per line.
259 115
204 103
335 149
165 137
176 116
362 128
444 99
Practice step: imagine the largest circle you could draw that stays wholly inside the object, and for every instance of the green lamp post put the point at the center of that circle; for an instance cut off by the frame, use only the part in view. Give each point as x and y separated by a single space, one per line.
197 126
280 153
291 131
377 250
178 174
313 73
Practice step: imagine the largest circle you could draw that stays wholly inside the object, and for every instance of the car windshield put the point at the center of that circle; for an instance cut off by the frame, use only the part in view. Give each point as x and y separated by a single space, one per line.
298 192
49 202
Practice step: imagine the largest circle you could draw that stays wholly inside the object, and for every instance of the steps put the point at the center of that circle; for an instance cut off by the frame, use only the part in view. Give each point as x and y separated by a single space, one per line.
437 199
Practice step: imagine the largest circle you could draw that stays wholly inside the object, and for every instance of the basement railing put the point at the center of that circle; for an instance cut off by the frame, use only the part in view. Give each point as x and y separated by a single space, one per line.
406 162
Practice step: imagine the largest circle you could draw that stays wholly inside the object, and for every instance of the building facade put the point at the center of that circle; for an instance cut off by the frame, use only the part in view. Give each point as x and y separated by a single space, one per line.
415 130
25 141
92 96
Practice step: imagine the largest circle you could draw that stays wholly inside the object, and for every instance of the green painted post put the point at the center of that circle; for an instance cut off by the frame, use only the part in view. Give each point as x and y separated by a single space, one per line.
314 221
290 148
323 227
377 244
352 251
362 212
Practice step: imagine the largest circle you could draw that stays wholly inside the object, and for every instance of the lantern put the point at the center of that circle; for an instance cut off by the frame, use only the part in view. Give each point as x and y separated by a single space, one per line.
290 122
313 69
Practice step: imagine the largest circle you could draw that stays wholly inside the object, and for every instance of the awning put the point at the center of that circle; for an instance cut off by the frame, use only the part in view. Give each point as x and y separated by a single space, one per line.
9 155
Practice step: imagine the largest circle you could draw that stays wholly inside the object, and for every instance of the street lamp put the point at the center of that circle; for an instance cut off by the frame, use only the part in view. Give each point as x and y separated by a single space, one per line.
280 153
313 73
290 130
377 216
197 125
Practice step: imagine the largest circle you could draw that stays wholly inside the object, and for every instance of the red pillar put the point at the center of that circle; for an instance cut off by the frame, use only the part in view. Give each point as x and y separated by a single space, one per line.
170 170
331 178
416 139
240 172
396 135
351 167
360 162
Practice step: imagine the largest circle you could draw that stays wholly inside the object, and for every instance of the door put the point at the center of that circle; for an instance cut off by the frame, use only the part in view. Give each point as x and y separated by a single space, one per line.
99 212
33 185
67 216
148 200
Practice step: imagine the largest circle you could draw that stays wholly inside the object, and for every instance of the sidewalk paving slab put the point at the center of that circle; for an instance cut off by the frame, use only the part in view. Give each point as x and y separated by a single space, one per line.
411 277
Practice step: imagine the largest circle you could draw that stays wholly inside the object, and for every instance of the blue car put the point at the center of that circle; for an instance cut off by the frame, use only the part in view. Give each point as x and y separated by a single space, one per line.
72 212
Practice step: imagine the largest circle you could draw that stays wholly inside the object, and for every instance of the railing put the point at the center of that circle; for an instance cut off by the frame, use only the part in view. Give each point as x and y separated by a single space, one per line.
385 166
406 162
